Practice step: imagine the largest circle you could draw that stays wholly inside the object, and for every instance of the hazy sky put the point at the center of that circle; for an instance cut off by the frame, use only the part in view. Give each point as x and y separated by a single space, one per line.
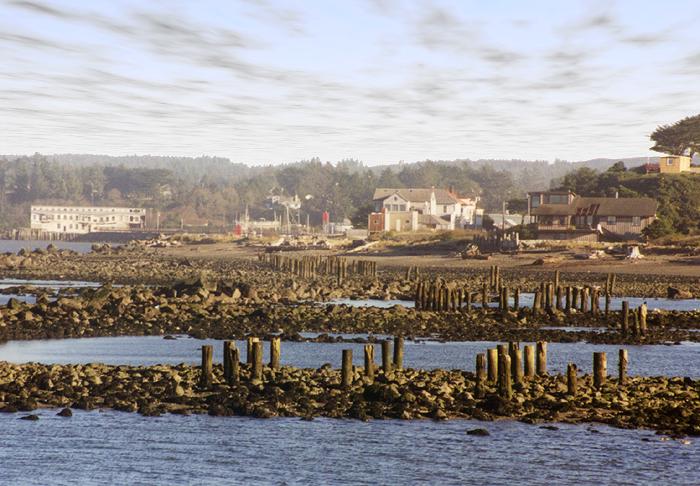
264 81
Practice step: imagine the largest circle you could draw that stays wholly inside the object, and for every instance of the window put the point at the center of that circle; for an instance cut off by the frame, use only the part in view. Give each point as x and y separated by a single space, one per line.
444 208
612 220
558 199
636 221
669 161
535 201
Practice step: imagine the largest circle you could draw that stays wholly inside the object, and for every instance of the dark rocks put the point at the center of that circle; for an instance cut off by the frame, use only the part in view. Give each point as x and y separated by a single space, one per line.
479 432
31 417
66 412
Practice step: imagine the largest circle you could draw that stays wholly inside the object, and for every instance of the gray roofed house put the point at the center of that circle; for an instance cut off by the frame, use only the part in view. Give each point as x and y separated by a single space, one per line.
564 215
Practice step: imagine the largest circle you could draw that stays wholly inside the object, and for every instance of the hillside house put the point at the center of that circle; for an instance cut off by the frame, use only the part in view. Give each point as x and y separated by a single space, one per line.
411 209
562 215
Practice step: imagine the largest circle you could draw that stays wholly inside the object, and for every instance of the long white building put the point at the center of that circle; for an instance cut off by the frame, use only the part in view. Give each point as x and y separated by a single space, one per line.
86 219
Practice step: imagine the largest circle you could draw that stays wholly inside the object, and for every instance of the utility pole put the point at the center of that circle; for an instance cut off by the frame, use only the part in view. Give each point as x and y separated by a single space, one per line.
503 220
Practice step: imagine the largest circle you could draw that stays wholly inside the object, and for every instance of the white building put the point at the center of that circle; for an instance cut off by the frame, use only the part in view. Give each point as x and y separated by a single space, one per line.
417 208
86 219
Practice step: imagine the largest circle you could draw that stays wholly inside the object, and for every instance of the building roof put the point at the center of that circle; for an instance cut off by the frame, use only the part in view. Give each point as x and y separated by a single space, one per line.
415 195
432 220
600 206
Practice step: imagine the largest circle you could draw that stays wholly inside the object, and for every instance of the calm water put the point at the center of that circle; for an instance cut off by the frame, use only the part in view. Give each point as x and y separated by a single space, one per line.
53 285
526 300
16 245
121 448
680 360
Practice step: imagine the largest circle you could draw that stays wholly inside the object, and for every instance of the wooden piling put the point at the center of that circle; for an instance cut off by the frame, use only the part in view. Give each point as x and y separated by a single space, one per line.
568 300
386 356
257 371
622 367
492 364
571 379
207 377
625 317
480 375
516 364
541 368
516 299
529 360
642 319
600 369
275 352
250 341
346 372
505 386
398 352
369 361
227 360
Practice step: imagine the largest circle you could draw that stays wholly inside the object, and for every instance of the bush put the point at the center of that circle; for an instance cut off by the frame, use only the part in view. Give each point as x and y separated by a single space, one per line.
657 229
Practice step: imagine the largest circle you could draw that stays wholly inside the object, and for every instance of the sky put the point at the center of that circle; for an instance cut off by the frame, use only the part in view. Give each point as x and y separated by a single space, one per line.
266 81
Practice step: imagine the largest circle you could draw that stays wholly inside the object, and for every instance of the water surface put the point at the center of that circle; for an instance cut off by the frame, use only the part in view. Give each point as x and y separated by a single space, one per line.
650 360
109 447
14 246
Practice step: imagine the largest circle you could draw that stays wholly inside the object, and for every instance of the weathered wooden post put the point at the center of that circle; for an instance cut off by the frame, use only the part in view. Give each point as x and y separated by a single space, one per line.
257 360
250 341
484 297
346 372
505 387
398 352
386 356
275 352
568 300
548 297
529 360
480 375
541 358
558 298
557 274
643 319
206 378
516 363
622 367
536 302
492 364
516 299
227 360
607 303
574 297
584 299
571 379
625 317
369 361
600 369
234 365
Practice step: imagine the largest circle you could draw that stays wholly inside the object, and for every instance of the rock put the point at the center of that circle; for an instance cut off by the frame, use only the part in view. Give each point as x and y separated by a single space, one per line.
66 412
549 427
30 417
478 432
676 293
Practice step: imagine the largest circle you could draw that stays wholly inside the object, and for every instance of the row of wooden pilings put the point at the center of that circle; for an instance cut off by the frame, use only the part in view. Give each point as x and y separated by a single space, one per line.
314 265
392 359
506 366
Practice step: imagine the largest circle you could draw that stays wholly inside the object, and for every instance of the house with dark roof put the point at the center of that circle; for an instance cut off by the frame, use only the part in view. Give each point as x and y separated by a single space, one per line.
562 215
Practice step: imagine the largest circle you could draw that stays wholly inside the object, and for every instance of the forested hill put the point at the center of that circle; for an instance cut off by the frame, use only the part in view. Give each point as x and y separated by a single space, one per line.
210 190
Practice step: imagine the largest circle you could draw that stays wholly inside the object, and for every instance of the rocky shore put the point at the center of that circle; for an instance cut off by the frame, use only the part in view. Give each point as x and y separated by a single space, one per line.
133 265
668 405
233 310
